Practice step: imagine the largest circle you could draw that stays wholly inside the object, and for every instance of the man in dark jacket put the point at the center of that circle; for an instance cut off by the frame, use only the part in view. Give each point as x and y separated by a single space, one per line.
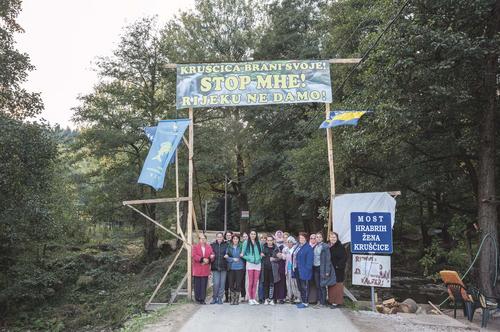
219 268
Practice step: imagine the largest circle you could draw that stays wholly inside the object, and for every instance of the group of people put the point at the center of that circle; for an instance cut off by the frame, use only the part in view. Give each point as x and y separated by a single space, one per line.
271 269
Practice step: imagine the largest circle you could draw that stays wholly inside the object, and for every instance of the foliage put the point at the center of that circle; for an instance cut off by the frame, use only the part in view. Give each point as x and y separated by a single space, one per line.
15 101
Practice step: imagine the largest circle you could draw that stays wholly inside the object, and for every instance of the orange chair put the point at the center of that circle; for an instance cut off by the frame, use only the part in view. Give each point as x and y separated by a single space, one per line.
458 292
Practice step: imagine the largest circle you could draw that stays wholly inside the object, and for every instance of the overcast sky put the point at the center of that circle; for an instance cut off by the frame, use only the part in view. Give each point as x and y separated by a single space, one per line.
63 37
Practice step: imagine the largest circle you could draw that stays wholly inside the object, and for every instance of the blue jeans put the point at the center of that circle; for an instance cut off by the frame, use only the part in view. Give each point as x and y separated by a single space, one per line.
219 279
303 288
317 281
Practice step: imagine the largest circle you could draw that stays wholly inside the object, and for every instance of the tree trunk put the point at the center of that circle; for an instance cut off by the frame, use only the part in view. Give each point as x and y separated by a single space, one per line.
487 212
240 188
150 236
426 239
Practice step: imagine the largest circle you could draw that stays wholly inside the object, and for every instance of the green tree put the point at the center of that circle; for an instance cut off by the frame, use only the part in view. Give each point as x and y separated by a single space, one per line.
15 101
431 80
134 92
218 31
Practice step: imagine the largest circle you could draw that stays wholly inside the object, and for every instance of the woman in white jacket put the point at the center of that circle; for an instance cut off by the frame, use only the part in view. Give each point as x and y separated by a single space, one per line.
293 294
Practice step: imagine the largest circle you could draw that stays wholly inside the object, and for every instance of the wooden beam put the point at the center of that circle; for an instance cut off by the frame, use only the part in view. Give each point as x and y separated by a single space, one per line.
164 276
195 222
190 204
329 142
176 292
345 61
156 200
177 205
156 223
336 61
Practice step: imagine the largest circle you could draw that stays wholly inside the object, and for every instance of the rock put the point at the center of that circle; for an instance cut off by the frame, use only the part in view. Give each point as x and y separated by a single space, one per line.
409 306
50 291
84 281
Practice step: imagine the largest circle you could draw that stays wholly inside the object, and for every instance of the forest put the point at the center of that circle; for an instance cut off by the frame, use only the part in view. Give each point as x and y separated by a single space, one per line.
72 257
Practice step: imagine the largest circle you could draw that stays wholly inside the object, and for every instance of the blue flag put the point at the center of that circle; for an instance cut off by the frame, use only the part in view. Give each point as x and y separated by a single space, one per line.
341 118
167 136
150 134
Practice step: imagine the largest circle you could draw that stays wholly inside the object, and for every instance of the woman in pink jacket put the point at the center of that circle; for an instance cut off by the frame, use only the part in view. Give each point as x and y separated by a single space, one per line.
202 256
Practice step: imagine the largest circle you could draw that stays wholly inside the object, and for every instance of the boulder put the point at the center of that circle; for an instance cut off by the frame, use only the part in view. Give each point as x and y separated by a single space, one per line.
409 306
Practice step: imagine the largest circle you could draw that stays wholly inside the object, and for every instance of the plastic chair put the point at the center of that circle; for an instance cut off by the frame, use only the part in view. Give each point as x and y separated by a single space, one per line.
487 304
458 293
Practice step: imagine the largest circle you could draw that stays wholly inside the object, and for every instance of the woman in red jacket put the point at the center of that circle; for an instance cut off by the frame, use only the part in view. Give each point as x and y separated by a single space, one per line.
201 268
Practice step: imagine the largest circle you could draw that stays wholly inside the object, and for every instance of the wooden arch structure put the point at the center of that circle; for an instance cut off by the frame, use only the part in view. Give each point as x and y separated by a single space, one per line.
187 238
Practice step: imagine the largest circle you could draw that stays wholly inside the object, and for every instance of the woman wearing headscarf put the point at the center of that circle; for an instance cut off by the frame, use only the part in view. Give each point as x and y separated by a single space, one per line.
338 258
279 273
279 239
292 290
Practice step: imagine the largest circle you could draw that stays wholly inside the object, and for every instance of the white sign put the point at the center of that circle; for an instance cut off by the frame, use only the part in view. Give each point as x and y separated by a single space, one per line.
362 202
371 270
245 214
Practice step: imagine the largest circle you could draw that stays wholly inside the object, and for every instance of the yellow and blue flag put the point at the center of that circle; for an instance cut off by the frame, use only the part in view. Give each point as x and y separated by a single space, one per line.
341 118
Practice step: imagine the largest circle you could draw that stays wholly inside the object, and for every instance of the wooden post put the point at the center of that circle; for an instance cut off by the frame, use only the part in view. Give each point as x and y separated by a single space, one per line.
329 142
177 190
164 277
190 205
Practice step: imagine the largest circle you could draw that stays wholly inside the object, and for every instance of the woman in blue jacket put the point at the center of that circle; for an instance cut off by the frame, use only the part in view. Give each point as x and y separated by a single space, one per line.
235 263
302 258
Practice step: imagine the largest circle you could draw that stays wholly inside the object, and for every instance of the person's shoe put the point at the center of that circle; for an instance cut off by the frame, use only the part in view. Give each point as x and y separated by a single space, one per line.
282 302
214 301
334 306
296 301
271 302
301 306
220 301
266 302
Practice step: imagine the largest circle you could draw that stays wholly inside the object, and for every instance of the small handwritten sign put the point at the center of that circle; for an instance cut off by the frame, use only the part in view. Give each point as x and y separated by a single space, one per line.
371 270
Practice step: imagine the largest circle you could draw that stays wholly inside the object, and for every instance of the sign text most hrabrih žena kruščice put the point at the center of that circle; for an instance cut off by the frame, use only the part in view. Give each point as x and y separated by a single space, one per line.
253 83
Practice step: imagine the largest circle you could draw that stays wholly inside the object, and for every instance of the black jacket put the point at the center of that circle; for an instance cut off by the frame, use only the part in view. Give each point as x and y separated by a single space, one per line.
219 263
339 258
268 253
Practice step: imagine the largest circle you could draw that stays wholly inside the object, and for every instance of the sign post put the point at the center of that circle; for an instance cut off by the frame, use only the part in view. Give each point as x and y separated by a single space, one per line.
371 232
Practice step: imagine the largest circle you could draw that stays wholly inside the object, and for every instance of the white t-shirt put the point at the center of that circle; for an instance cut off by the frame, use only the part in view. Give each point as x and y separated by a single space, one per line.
252 266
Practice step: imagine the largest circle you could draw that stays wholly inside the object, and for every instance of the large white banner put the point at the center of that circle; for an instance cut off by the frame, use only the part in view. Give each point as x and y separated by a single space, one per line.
371 270
345 204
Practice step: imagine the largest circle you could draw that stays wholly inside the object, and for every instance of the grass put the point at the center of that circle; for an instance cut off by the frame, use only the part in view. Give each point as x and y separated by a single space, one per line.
103 285
138 322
